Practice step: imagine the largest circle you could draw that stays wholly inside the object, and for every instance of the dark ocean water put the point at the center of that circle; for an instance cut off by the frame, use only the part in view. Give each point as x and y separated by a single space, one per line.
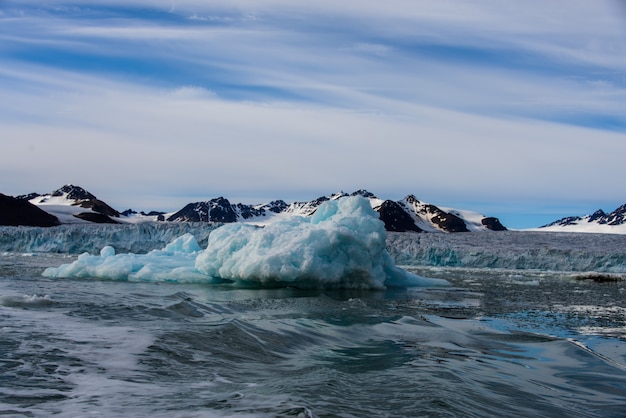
495 343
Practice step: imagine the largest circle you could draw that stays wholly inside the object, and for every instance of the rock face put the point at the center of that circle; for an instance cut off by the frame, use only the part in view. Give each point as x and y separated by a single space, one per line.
493 224
248 211
72 192
221 210
215 210
617 217
432 217
396 217
16 212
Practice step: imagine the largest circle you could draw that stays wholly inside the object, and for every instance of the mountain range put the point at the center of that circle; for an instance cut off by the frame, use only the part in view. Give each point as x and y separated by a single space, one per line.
599 221
73 204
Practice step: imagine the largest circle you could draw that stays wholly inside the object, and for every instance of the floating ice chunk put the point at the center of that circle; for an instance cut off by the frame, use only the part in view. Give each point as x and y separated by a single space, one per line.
342 245
185 244
107 251
173 263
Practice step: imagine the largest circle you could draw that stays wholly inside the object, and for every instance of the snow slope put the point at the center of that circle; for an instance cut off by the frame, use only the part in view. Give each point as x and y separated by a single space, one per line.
599 222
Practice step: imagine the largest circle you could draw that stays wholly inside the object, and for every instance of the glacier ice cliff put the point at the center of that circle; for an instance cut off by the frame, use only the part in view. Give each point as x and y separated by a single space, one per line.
91 238
513 250
343 245
553 251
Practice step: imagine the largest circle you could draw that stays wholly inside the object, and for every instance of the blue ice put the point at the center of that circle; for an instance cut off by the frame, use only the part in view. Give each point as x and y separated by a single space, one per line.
342 245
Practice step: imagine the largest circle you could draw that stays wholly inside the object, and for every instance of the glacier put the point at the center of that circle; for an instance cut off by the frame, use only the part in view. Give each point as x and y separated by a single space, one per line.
342 245
514 250
91 238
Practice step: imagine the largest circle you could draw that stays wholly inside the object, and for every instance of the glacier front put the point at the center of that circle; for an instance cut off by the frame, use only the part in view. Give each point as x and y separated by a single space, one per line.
342 245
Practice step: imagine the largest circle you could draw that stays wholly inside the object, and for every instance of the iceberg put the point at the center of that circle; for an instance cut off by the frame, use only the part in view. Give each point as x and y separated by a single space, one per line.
342 245
173 263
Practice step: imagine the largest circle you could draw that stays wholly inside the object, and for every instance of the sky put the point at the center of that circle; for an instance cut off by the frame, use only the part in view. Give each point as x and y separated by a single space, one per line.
512 109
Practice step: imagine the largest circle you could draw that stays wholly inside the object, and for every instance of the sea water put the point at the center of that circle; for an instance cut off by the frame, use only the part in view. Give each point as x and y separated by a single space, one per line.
311 317
496 342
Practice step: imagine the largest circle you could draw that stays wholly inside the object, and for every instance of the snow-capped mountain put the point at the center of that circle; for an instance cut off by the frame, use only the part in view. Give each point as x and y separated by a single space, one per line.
599 222
73 204
411 214
308 208
408 214
221 210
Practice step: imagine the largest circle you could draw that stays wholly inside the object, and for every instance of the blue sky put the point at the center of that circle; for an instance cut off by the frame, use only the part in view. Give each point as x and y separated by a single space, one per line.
512 109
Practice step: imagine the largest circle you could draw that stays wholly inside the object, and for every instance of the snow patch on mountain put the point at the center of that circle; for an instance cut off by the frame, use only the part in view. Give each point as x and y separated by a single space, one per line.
598 222
73 204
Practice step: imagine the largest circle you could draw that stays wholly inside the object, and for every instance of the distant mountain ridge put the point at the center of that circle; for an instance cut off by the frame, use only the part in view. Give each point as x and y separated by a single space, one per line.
599 221
221 210
72 204
409 214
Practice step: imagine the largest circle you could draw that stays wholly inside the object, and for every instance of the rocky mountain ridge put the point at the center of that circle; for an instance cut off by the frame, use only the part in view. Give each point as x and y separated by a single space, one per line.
72 204
596 222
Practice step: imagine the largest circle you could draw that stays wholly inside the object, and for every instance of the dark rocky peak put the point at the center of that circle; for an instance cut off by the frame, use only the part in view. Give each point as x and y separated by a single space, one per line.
276 206
99 206
448 221
396 218
306 208
423 208
411 199
222 210
570 220
248 211
28 196
318 201
598 215
214 210
439 218
73 193
617 217
621 210
493 224
364 193
15 212
338 195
